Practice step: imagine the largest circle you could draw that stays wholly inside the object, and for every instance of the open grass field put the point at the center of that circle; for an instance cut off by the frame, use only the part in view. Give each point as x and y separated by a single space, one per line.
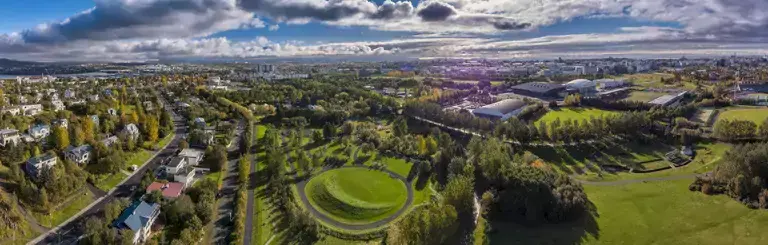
574 114
356 195
76 202
662 212
749 113
644 96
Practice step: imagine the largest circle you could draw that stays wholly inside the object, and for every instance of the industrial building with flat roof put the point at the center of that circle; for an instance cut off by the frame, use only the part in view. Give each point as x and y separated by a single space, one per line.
667 100
539 89
501 110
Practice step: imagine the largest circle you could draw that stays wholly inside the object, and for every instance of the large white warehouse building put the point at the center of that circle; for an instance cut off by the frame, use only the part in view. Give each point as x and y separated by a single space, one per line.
501 110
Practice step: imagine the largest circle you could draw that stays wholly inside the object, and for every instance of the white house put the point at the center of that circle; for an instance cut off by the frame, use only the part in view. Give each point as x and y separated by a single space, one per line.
36 164
132 131
139 217
31 109
193 156
176 165
112 111
58 105
40 131
185 175
13 110
9 136
80 154
93 97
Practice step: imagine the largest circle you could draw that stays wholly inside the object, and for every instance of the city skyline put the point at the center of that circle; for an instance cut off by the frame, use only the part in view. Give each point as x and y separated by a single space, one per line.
148 30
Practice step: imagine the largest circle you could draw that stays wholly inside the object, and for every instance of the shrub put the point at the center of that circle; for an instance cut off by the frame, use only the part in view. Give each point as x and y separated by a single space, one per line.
763 199
706 188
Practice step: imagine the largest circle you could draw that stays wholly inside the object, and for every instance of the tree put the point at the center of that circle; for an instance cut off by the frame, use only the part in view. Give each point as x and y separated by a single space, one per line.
44 200
113 209
89 129
459 193
431 224
152 128
94 230
317 136
399 127
183 144
78 137
154 197
329 131
60 138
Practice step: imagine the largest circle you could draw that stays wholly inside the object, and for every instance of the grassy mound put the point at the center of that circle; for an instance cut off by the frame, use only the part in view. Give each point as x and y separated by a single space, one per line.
356 195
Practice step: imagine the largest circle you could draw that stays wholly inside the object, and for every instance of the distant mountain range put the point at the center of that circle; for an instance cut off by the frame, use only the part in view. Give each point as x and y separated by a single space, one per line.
16 63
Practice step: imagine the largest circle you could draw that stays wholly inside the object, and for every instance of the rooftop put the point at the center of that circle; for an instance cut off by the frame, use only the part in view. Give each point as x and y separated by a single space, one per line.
191 152
176 161
169 190
136 216
538 87
504 106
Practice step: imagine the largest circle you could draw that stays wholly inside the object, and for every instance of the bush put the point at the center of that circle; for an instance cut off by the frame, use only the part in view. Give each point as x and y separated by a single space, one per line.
763 199
706 188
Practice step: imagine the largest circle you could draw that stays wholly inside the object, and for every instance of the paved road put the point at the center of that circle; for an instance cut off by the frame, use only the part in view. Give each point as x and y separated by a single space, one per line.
70 229
408 201
642 180
226 208
250 201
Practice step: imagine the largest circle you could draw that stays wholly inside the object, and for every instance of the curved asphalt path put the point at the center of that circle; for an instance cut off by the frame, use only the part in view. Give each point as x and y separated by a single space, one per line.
357 227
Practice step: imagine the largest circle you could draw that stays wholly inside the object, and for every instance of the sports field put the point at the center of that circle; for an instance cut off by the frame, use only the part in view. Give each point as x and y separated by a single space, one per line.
574 114
644 96
663 212
754 114
356 195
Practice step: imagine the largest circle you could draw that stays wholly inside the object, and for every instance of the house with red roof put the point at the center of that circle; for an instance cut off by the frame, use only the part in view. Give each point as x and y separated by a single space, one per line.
170 190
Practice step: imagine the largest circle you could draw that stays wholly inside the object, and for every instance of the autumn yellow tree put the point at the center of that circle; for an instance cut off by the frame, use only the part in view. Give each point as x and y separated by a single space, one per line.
152 128
60 138
88 127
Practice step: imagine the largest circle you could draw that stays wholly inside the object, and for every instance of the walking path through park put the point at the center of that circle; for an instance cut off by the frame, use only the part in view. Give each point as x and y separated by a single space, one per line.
328 220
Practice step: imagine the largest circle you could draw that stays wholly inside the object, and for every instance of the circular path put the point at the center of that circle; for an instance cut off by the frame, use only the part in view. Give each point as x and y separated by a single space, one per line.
357 227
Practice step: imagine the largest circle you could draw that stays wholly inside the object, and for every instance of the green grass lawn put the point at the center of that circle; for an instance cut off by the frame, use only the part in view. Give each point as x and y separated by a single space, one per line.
107 182
649 213
63 212
574 114
754 114
398 166
644 96
164 141
356 195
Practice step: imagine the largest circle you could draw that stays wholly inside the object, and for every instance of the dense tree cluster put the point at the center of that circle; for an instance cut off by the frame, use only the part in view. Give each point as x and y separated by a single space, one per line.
524 192
735 130
742 175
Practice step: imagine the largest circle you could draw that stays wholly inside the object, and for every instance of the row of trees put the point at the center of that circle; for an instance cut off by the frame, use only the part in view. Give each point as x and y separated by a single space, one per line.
734 130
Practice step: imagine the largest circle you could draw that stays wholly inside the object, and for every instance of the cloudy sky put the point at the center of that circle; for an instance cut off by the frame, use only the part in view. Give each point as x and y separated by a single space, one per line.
148 30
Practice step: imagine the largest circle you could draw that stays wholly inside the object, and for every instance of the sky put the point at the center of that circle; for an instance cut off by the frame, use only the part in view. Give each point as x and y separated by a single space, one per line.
157 30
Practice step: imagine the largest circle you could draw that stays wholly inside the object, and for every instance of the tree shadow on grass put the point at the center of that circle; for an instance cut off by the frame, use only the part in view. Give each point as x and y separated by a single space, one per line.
568 233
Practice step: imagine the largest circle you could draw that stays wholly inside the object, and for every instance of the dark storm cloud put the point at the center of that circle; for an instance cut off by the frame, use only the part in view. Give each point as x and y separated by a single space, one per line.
301 9
436 11
509 25
116 20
